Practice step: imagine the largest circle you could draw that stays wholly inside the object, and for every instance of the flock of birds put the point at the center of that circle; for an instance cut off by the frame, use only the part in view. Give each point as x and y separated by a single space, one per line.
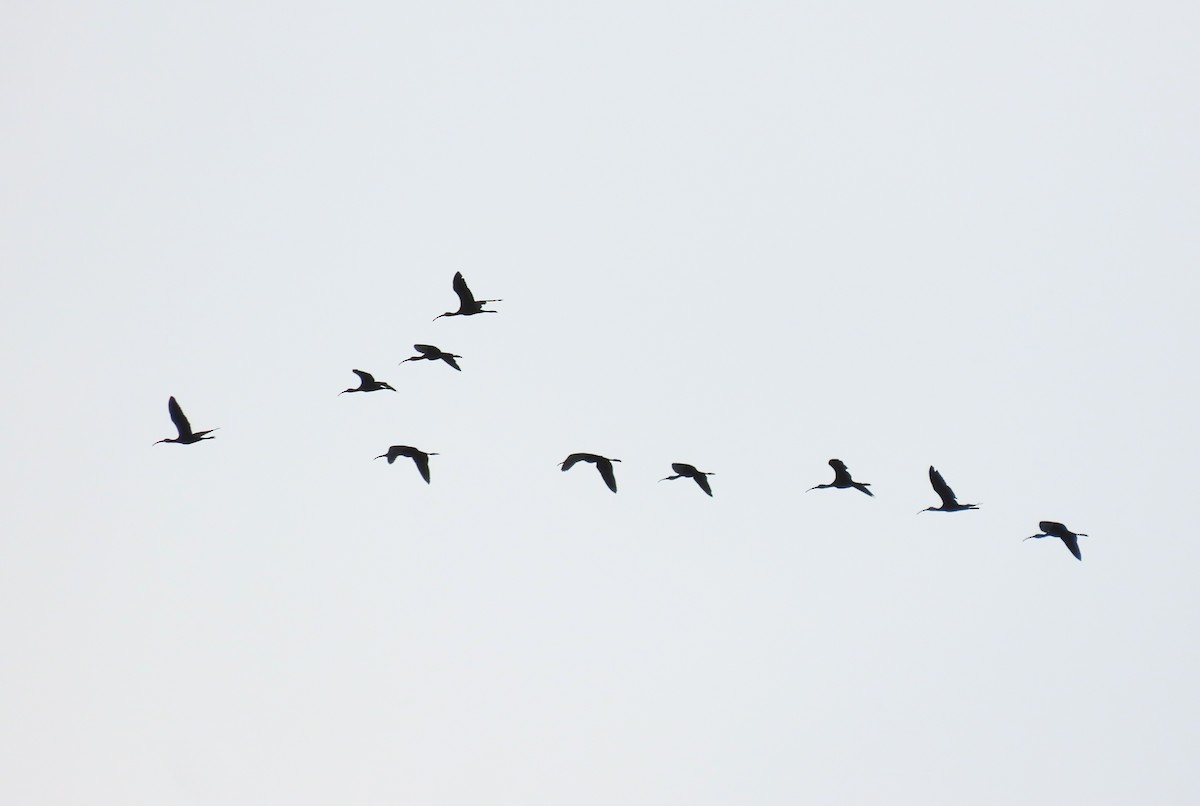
469 306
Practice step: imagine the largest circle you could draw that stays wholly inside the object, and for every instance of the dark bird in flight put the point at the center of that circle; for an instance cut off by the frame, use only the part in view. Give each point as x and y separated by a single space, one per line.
686 471
1055 529
949 502
366 383
431 353
602 464
467 304
186 435
841 478
420 458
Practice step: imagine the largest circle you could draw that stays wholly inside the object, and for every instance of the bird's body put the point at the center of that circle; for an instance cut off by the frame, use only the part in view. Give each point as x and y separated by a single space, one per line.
687 471
1056 529
186 435
949 501
430 353
420 458
841 478
467 304
603 465
367 383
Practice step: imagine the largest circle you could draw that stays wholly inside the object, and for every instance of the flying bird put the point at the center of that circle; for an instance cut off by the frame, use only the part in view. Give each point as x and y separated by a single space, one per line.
420 458
690 472
949 502
1056 529
431 353
467 304
604 465
841 478
367 383
186 435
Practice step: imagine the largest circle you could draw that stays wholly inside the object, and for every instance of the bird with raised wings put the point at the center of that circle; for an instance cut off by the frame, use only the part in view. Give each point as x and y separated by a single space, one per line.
603 465
467 304
186 435
949 501
841 478
367 383
420 458
1056 529
430 353
686 471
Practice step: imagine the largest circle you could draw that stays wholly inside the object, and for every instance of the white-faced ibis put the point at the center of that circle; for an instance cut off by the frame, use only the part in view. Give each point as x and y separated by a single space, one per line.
420 458
949 502
686 471
1056 529
366 383
186 435
603 464
841 478
430 353
467 304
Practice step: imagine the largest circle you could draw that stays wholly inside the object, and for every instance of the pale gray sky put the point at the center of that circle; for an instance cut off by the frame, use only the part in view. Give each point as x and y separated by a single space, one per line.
748 237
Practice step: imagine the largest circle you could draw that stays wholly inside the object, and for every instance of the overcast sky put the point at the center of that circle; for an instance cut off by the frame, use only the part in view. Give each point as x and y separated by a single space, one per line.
752 237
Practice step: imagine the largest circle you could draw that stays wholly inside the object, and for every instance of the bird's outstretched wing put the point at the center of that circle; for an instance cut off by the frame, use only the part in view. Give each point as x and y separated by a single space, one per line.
449 359
366 377
421 460
683 469
606 472
464 294
1053 528
702 480
942 488
426 349
179 418
1072 544
841 474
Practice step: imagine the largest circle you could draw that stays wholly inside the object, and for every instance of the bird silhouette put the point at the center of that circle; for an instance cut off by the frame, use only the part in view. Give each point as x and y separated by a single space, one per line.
366 383
431 353
841 478
467 304
420 458
604 465
1056 529
687 471
186 435
949 502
